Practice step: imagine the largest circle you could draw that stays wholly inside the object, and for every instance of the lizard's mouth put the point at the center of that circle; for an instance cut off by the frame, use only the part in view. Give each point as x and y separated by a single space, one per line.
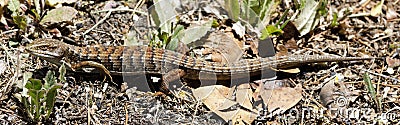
46 55
43 54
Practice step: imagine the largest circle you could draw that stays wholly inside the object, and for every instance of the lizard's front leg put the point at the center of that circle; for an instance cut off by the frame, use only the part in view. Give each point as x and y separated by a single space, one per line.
169 77
93 64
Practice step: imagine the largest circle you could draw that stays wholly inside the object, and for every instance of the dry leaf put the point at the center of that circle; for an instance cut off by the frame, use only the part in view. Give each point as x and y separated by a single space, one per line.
327 92
291 44
218 57
290 32
393 62
375 11
244 96
55 32
59 15
283 51
281 99
295 70
212 8
224 43
218 99
272 83
391 13
239 29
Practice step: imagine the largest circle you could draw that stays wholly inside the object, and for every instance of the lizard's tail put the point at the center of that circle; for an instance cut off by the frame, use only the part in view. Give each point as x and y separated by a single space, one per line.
293 61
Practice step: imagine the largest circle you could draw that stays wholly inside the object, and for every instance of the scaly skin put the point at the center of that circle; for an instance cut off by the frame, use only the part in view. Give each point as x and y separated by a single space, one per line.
116 60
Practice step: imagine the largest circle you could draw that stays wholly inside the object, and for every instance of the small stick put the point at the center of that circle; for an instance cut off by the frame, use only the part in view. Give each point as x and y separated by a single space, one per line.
384 76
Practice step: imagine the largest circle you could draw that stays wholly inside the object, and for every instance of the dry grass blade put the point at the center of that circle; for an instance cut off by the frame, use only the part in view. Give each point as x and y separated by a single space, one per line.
10 61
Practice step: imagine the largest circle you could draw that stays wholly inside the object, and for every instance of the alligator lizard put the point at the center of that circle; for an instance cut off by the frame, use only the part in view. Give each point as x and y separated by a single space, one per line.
116 60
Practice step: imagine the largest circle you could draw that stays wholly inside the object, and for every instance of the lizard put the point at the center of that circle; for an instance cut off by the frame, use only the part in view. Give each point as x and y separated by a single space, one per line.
116 60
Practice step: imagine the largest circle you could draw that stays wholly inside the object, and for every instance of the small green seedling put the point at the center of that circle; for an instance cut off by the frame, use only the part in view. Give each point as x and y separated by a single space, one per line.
371 90
40 98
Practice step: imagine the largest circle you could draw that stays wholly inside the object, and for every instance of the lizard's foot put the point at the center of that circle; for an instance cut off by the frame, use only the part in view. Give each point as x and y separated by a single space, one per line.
97 65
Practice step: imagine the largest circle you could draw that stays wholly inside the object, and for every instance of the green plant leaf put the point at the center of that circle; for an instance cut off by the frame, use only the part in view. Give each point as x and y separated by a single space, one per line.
39 107
42 100
257 12
20 21
334 20
62 72
35 103
49 80
50 99
177 30
322 10
172 44
27 107
155 39
34 95
34 84
309 16
165 38
215 23
41 95
265 8
249 15
233 9
194 33
270 30
255 5
302 4
29 84
59 15
163 14
281 19
371 89
34 87
37 16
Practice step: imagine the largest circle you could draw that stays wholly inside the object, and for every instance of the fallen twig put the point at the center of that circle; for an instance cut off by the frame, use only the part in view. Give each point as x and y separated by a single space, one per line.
384 76
121 9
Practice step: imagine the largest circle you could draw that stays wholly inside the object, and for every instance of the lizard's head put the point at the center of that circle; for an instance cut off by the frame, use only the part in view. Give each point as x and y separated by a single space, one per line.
47 49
